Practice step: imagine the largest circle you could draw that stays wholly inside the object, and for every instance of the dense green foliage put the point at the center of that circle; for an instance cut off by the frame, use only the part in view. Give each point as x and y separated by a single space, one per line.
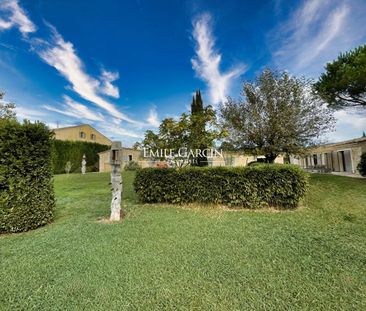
362 165
26 185
251 187
344 82
174 258
201 137
197 130
276 114
73 151
132 166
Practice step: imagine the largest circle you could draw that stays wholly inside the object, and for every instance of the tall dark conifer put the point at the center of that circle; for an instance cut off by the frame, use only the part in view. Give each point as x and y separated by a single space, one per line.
198 130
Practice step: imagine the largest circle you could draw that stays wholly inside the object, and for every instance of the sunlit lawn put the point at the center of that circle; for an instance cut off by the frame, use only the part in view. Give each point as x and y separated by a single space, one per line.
179 258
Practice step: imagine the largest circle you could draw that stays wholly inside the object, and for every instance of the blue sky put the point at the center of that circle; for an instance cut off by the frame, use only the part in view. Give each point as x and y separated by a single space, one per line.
122 66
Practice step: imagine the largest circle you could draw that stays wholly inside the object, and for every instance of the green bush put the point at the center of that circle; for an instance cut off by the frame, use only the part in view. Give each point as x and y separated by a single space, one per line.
26 185
362 165
63 151
252 187
132 166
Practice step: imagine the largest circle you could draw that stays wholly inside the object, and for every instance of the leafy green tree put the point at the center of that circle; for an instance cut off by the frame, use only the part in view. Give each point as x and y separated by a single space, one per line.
203 128
199 130
344 82
172 135
6 109
276 114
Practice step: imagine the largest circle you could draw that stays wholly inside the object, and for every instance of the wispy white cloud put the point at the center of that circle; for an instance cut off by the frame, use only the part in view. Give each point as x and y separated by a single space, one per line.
107 87
153 118
350 124
113 130
316 33
12 15
74 109
61 55
23 112
206 62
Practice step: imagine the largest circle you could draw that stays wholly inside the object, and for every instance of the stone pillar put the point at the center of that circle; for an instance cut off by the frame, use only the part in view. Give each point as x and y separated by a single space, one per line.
83 165
116 181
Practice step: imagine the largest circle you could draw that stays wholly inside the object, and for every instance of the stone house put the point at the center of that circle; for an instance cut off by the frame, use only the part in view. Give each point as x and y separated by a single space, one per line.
128 154
340 157
83 132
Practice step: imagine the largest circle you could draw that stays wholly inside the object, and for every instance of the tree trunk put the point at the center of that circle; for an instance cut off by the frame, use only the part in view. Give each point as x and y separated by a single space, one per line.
271 157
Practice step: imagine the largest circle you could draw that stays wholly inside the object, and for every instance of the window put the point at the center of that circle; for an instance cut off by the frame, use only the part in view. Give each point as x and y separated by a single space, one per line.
82 135
93 137
130 157
315 159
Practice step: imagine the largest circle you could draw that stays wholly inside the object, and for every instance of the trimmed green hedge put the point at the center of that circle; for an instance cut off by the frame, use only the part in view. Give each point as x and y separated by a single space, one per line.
73 151
252 187
26 185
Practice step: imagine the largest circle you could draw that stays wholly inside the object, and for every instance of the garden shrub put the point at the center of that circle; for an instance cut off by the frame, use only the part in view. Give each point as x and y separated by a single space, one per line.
73 151
26 185
132 166
252 187
362 165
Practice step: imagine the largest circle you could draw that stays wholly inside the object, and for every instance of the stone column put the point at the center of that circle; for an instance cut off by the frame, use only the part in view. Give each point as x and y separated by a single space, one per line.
83 165
116 181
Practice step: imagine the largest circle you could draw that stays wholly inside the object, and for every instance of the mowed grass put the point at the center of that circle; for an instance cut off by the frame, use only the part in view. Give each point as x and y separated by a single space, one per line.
184 258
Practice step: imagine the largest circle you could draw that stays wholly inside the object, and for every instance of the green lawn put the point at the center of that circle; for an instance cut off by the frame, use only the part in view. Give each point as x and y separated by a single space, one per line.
175 258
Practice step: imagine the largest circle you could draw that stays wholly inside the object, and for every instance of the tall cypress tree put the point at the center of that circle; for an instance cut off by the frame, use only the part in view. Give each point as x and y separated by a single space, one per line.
198 130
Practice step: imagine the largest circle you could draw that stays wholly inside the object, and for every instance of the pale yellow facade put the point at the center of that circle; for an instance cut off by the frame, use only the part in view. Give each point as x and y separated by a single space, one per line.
340 157
84 132
237 159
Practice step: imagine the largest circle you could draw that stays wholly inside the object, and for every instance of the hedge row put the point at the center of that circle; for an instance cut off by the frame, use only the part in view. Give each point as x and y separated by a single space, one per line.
64 151
26 186
251 187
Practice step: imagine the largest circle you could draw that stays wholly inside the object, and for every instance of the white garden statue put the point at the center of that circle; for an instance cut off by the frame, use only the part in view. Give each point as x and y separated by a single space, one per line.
83 165
116 181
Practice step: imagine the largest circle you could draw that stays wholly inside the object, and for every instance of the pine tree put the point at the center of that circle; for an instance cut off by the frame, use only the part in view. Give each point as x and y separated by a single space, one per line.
363 134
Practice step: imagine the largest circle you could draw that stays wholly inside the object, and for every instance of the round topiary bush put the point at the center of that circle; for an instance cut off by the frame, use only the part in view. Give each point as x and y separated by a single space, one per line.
362 165
132 166
26 186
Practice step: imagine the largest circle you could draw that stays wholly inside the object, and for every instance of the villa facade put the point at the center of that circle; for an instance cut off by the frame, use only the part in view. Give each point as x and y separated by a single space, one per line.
342 157
83 132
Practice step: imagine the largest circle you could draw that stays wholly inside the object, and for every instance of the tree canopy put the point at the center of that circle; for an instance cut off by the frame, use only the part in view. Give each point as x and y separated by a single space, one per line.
197 130
276 114
343 84
6 109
